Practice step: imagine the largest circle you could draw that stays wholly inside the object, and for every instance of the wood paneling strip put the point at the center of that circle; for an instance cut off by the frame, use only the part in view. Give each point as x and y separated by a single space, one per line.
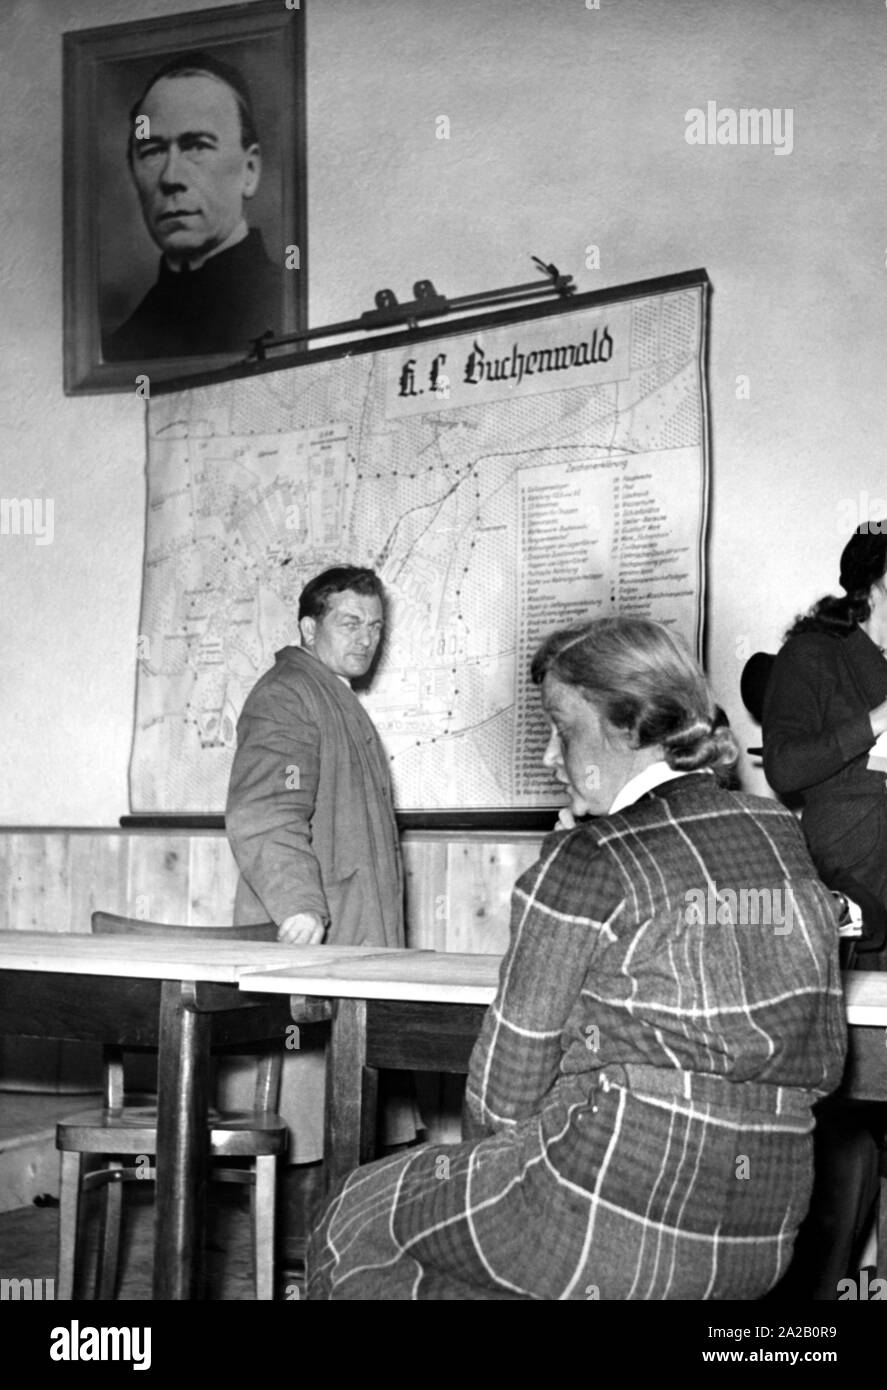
157 877
425 873
98 875
212 881
458 887
39 882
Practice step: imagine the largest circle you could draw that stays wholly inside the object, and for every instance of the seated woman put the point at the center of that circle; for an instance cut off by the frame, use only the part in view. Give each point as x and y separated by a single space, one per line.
669 1009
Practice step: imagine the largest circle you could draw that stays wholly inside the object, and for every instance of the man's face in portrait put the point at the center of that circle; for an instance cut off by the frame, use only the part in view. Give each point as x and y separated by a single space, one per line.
346 638
191 171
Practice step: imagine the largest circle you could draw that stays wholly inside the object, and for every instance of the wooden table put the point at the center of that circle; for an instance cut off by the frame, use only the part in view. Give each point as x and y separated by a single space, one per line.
398 1009
172 995
422 1011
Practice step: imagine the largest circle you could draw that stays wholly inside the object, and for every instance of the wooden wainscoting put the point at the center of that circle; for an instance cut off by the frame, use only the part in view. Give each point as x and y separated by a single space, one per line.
458 885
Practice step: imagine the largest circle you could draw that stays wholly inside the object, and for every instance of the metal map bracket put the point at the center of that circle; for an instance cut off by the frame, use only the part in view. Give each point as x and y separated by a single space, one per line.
427 304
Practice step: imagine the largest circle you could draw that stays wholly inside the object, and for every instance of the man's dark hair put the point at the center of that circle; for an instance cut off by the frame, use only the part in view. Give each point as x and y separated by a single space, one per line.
198 64
314 600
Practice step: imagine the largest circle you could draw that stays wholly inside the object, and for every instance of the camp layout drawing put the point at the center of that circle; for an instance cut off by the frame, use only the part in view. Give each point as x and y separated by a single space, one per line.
503 478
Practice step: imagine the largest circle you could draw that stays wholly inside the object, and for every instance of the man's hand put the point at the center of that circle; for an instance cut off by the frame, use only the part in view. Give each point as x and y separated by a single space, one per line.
565 820
302 929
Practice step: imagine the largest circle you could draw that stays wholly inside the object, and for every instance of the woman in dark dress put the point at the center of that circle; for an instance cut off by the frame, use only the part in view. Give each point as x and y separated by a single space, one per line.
824 707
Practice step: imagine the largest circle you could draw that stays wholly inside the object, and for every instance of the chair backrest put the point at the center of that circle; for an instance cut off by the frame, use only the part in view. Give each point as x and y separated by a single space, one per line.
268 1068
111 924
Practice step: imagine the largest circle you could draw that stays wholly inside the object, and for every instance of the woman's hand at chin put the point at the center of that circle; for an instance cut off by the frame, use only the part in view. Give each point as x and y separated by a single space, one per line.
568 815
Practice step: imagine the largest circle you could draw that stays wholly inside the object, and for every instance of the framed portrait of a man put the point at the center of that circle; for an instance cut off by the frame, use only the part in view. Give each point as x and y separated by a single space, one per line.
184 195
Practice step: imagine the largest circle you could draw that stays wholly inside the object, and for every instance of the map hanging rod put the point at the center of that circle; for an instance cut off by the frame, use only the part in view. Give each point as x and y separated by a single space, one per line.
428 304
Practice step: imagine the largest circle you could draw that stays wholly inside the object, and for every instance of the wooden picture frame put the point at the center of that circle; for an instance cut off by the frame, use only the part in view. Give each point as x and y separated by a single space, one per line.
111 261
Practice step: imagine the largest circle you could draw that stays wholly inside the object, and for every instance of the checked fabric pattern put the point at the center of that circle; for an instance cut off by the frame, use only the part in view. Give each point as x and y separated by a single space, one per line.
583 1188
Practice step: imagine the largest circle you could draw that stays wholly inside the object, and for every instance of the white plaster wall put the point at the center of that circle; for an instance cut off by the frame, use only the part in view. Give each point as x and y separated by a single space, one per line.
567 128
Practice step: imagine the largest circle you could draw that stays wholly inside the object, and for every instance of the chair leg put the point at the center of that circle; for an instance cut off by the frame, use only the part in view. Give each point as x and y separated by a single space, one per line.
70 1171
109 1237
263 1225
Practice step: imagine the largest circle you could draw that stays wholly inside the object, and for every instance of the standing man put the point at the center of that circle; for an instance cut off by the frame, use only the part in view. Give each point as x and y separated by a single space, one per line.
310 813
194 157
310 810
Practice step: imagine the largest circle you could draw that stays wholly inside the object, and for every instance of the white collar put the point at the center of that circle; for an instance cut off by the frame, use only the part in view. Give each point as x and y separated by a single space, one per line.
240 233
652 776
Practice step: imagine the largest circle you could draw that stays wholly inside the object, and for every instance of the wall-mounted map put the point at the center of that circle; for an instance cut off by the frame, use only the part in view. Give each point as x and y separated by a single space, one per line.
504 476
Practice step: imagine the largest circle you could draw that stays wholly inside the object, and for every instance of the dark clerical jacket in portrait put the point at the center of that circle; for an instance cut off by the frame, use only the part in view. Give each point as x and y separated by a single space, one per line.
234 296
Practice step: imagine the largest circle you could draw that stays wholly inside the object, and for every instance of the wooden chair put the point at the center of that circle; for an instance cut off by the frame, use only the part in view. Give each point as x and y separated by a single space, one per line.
124 1132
